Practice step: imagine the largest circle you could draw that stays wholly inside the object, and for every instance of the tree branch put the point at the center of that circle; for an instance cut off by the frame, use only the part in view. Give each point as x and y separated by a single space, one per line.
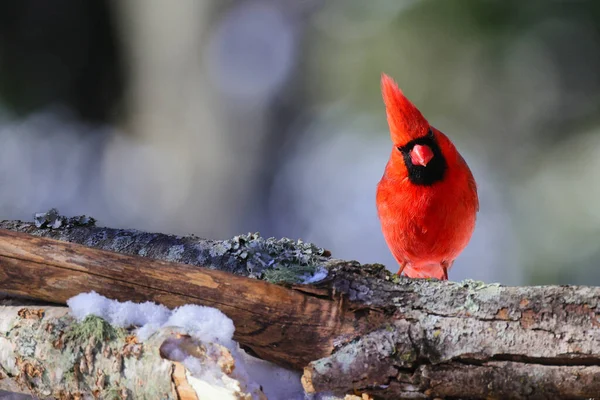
466 340
247 255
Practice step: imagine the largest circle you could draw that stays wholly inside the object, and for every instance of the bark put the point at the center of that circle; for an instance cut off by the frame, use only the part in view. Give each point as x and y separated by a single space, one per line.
466 340
279 324
45 352
359 329
247 255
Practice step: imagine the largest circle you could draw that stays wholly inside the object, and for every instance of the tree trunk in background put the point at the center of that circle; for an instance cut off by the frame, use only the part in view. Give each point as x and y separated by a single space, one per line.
188 100
179 142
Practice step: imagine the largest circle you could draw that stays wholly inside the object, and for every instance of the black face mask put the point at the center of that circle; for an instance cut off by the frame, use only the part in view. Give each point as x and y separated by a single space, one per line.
434 171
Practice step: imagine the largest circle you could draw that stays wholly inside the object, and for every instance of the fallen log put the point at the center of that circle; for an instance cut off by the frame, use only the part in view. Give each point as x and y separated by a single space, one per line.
360 328
279 324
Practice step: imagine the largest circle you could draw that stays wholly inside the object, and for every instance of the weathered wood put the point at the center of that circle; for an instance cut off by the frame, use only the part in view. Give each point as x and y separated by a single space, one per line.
467 340
247 255
277 323
391 337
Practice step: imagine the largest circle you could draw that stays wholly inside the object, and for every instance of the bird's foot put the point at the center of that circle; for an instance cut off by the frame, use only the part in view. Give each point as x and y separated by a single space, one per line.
402 265
446 266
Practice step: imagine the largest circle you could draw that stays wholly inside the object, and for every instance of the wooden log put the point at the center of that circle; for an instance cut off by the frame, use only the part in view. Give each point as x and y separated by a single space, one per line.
389 337
277 323
246 255
466 340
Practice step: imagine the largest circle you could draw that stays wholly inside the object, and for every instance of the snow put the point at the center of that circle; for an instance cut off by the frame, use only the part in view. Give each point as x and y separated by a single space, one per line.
319 275
209 391
277 382
119 314
203 323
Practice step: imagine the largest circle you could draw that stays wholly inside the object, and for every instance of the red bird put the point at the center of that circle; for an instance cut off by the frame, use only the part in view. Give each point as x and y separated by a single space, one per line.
427 198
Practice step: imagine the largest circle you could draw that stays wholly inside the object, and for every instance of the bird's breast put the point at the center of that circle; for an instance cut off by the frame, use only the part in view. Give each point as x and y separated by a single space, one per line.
424 224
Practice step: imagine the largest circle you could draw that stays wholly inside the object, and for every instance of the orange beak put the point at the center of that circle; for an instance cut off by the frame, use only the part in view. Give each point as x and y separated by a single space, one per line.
421 155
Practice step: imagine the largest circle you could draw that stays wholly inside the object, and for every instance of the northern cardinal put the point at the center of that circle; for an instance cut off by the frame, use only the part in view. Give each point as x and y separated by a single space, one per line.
427 198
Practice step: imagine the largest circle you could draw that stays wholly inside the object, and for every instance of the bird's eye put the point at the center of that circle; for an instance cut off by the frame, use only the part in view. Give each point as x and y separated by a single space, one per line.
430 133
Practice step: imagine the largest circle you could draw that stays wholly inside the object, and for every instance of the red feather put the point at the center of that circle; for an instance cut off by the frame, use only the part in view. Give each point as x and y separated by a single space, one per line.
427 213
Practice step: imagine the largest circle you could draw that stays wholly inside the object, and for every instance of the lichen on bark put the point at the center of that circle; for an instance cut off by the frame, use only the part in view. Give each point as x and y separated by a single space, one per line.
275 260
55 356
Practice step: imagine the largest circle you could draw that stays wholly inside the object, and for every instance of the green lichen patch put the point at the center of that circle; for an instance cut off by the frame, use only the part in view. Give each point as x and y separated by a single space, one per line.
92 327
471 305
290 274
26 345
23 333
113 392
407 357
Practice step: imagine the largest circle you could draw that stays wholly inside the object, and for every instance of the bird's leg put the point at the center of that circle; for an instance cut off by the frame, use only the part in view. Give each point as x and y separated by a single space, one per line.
402 265
446 266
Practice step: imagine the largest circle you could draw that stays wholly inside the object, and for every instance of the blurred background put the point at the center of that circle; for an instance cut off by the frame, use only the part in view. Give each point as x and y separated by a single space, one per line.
222 117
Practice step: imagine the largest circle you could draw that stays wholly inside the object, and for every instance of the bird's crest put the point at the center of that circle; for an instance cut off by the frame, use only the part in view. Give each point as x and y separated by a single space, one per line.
405 120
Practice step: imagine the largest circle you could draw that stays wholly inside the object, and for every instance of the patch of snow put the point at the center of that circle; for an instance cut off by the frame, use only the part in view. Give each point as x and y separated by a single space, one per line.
276 382
319 275
209 391
145 331
205 323
200 371
91 303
